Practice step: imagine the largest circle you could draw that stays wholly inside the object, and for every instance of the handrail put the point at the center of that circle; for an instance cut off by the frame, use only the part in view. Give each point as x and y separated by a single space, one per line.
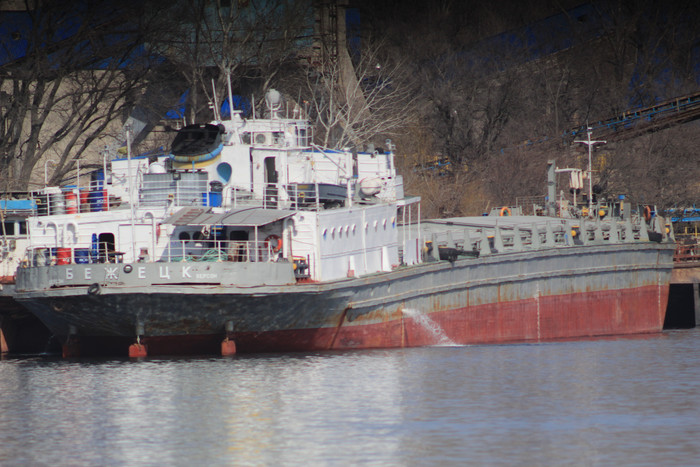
200 250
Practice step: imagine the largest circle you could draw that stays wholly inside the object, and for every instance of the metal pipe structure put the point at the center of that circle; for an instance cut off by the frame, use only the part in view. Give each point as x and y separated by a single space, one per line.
588 142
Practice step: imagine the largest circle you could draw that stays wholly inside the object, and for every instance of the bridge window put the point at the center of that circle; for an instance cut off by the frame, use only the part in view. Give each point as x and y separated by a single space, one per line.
9 228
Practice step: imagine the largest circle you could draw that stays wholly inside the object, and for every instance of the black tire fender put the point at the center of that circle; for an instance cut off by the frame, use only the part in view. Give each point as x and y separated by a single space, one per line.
94 289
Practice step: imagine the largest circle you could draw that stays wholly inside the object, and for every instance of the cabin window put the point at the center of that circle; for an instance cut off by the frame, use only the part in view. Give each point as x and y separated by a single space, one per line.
302 137
245 138
9 228
184 236
260 138
325 233
238 235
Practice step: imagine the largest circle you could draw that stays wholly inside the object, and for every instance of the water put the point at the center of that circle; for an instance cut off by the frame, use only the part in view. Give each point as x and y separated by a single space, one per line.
600 402
429 325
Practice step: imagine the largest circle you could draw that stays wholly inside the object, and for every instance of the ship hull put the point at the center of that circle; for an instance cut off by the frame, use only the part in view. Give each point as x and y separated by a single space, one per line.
531 296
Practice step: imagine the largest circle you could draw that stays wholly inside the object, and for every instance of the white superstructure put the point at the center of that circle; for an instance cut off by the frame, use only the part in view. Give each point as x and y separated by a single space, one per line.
240 190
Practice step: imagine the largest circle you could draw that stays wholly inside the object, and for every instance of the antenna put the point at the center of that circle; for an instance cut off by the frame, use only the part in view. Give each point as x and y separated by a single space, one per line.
217 116
230 94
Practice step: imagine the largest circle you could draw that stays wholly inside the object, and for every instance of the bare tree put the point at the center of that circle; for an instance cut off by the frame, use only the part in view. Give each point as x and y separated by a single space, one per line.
250 41
354 103
75 71
659 168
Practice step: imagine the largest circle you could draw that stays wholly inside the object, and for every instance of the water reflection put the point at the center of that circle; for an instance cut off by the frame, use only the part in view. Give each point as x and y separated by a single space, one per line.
596 402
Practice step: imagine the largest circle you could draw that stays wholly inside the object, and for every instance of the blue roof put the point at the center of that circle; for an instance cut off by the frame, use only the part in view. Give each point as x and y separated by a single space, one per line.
17 204
18 37
14 30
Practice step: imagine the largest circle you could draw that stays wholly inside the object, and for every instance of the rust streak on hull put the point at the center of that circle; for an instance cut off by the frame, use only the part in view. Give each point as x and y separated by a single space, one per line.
585 315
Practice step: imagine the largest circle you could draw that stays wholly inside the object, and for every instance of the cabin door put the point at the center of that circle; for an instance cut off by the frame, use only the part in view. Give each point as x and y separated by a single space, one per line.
239 249
271 178
106 247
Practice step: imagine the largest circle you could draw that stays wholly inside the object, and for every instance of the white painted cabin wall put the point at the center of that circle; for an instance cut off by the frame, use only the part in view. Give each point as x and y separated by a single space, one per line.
120 176
301 238
238 157
75 231
315 167
357 241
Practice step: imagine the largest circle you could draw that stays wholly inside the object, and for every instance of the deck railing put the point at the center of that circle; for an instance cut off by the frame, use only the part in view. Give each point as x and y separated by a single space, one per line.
478 239
221 250
204 250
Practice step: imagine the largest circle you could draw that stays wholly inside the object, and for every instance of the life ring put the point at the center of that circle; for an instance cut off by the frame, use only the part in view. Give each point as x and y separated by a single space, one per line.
275 241
505 211
647 213
94 289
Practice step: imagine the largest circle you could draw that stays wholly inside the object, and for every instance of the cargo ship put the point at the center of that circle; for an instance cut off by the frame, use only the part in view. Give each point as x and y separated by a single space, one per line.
246 237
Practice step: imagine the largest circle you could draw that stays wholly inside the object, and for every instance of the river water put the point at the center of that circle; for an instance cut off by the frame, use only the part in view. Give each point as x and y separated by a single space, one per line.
628 401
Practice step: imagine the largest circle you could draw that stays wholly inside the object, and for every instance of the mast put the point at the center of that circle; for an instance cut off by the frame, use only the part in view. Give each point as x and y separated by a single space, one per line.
588 142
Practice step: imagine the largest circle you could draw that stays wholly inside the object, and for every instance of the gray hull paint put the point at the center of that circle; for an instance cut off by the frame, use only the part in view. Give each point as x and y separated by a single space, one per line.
200 309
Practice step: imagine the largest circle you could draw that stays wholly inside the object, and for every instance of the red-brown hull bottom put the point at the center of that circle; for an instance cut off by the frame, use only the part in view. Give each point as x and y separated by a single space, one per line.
563 317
